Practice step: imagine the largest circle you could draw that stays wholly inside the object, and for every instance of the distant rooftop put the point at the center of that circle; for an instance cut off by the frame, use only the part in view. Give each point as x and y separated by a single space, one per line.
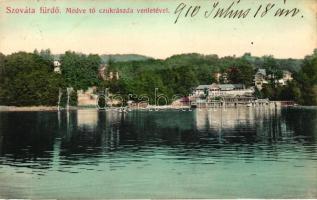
230 86
262 71
221 86
202 87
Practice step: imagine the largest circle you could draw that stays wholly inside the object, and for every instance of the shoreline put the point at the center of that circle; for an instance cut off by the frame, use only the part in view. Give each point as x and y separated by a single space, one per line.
27 108
55 109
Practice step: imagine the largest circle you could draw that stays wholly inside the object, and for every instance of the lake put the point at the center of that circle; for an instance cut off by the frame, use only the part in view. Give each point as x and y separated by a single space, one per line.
218 153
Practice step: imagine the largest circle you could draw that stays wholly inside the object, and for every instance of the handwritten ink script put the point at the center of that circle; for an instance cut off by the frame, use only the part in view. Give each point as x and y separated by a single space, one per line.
235 10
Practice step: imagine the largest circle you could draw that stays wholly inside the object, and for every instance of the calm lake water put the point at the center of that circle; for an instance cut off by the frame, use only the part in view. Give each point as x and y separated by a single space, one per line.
243 152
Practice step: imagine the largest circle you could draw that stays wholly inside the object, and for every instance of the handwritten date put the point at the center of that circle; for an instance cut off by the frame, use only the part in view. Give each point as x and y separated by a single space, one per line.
234 10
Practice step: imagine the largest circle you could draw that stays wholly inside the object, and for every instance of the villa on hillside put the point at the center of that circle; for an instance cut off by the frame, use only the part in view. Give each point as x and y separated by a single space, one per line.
57 67
105 74
220 77
287 76
261 78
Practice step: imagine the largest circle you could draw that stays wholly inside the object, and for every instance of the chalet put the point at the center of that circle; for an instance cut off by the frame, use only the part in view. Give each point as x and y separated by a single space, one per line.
260 79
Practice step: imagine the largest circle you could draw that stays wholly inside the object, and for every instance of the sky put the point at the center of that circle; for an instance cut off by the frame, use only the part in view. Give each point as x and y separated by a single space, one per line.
157 35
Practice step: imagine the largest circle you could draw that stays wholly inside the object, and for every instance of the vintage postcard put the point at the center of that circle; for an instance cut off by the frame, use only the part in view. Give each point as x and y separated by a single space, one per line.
158 99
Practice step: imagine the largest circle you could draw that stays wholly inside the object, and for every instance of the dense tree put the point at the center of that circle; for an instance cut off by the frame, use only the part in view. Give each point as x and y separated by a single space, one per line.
180 73
80 71
290 92
28 79
268 92
2 59
241 72
272 68
307 78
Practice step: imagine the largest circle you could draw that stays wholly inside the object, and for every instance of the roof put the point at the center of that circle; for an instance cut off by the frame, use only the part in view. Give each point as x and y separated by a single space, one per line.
262 71
221 86
102 66
287 72
202 87
230 86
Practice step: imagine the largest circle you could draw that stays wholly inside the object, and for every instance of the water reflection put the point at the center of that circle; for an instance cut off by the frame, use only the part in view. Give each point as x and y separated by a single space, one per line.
35 135
89 140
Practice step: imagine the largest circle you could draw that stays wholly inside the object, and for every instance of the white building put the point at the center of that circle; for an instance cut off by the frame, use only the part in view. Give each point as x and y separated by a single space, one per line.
201 90
221 90
57 66
287 76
